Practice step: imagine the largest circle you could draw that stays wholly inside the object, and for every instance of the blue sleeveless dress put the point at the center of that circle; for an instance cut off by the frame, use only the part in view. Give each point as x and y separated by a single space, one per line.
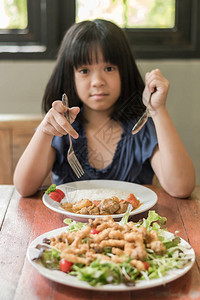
130 162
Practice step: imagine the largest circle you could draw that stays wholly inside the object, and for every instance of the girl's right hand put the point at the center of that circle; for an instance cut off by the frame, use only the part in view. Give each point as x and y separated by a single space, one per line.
56 124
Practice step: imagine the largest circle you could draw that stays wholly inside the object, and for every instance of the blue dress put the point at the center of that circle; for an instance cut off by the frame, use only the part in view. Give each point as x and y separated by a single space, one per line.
130 162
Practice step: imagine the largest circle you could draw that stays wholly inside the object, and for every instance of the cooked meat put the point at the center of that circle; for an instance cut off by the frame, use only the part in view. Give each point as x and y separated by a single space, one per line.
158 247
93 210
100 221
116 234
108 206
89 210
83 203
67 206
83 211
101 236
125 241
139 253
138 264
123 205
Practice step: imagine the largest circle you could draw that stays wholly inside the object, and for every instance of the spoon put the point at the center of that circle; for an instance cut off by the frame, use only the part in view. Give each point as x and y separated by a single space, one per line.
140 123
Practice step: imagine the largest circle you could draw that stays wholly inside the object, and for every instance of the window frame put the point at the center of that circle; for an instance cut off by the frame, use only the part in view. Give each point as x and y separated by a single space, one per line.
47 22
182 41
49 19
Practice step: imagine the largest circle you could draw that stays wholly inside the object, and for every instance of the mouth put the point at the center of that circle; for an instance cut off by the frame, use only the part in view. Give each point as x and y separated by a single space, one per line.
99 95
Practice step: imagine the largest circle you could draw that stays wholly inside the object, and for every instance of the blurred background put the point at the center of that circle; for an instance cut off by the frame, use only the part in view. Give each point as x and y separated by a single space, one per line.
163 34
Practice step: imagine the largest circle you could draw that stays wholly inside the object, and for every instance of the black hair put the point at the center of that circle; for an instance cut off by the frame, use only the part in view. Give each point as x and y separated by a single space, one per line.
76 49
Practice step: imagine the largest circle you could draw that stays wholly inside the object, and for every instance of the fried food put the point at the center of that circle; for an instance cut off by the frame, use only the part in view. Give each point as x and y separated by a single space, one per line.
124 241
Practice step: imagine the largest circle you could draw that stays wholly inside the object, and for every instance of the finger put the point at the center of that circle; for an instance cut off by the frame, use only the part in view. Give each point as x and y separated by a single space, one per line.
61 124
59 107
65 125
50 130
73 112
55 120
150 81
153 80
153 74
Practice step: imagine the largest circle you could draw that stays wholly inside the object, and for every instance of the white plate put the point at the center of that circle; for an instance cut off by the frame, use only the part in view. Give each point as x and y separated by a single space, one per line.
69 280
146 196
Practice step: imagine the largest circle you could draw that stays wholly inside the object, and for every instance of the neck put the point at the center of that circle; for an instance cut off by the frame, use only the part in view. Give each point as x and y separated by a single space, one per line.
96 119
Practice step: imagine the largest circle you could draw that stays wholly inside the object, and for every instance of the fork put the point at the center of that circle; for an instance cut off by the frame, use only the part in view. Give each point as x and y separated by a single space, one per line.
141 122
71 157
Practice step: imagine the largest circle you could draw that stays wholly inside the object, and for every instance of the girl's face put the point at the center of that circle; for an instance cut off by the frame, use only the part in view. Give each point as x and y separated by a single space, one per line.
98 85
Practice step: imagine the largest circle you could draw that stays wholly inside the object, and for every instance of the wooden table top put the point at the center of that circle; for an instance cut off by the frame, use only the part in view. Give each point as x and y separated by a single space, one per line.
23 219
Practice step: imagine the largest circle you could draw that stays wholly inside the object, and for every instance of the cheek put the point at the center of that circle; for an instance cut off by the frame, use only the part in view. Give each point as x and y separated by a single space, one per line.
117 86
78 86
81 90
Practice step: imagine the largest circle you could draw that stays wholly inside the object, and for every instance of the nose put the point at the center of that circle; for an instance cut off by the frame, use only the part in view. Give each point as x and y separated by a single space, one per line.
98 79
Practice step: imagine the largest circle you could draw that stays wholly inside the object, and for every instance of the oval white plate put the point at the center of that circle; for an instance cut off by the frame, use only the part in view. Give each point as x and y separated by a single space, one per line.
69 280
147 197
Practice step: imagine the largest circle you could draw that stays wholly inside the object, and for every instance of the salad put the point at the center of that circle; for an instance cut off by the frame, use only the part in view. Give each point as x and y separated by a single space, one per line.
105 252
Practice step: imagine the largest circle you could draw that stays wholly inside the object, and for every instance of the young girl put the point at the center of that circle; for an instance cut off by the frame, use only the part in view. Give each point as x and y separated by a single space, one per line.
97 71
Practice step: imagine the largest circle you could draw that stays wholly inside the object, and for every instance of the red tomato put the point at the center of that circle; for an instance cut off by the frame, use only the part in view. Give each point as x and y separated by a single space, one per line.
133 200
131 197
146 265
55 196
94 231
61 193
65 265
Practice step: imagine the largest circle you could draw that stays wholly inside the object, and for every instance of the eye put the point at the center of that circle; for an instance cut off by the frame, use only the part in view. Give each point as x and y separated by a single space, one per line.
109 69
83 71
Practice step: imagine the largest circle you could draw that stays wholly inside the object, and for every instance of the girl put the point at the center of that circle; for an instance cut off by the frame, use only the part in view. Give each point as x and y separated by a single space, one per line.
96 69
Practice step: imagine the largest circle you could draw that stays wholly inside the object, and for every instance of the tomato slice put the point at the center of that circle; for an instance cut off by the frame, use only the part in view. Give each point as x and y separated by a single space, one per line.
133 200
65 265
131 197
146 265
94 231
55 196
60 192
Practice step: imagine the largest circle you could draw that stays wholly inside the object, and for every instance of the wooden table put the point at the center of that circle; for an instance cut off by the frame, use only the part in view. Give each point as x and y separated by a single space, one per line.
23 219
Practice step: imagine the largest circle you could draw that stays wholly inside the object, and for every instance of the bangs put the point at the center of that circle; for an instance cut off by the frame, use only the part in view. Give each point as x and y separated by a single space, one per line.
86 51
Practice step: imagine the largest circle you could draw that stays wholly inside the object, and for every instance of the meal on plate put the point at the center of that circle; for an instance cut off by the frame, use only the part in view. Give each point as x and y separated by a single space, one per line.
106 252
100 201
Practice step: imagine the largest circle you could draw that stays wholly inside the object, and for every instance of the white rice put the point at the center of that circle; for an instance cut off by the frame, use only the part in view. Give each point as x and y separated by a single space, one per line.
94 194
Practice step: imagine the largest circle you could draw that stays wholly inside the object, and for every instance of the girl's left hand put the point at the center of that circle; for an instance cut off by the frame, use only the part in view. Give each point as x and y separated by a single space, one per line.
158 85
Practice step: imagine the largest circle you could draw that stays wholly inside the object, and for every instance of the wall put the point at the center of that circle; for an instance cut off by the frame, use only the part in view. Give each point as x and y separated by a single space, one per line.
22 84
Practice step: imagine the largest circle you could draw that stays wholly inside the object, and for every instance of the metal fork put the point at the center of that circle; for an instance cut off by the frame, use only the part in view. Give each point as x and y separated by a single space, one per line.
140 123
71 157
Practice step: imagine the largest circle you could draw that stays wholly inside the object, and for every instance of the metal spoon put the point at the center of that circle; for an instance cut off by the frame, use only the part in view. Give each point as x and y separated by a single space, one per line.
140 123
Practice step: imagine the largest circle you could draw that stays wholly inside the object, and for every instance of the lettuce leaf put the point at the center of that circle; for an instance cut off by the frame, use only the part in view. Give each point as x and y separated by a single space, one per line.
73 225
153 221
52 188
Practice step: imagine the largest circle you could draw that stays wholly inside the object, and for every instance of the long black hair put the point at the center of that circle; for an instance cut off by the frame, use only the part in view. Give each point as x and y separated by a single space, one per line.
76 49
